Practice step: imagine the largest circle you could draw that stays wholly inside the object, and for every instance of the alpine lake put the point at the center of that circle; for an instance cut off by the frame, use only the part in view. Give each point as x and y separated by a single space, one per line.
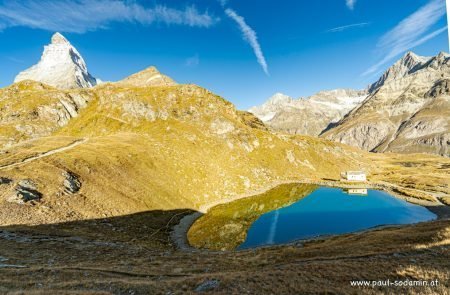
293 212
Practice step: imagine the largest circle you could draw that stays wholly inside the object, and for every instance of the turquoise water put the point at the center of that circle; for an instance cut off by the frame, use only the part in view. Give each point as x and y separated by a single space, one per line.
329 211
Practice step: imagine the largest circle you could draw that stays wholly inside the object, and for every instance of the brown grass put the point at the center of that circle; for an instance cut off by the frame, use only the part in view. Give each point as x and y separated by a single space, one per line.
126 258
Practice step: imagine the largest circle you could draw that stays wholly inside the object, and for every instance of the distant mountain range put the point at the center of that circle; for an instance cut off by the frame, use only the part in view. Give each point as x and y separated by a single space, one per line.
407 110
311 115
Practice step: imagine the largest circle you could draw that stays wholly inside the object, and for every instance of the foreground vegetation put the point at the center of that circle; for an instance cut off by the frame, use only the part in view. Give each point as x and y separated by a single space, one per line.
133 255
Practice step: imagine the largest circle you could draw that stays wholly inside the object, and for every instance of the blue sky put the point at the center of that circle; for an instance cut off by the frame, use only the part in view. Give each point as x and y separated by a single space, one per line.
242 50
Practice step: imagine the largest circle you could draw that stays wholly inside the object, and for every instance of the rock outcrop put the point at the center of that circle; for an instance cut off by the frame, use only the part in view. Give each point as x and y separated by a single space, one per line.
24 192
31 109
72 183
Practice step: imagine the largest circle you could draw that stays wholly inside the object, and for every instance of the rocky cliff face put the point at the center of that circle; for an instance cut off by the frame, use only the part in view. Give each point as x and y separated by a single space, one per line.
407 111
32 109
61 66
308 116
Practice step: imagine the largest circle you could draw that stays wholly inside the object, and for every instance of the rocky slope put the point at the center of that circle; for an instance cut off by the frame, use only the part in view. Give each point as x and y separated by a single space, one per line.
32 109
407 111
61 66
309 116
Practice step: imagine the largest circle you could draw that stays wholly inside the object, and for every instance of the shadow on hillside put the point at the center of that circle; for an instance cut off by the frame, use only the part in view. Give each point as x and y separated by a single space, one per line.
149 229
329 127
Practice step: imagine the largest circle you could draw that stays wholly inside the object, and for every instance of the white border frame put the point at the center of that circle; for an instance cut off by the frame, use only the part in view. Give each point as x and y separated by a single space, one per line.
448 22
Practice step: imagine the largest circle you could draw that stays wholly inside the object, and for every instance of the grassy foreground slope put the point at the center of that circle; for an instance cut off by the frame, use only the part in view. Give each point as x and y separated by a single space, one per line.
132 255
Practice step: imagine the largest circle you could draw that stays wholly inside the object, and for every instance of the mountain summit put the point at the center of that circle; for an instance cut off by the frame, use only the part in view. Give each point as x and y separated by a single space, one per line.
61 66
409 63
148 77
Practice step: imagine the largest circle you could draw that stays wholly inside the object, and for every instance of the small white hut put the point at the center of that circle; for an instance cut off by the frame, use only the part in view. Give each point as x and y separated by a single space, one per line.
355 176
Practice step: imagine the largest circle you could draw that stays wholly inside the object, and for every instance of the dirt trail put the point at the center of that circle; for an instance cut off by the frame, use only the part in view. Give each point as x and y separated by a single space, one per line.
45 154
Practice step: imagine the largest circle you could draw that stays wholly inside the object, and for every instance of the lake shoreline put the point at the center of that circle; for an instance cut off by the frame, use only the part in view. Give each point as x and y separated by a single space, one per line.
180 231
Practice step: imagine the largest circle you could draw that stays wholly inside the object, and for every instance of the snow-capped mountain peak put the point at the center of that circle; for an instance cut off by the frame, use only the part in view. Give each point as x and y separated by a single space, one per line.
269 109
279 98
61 66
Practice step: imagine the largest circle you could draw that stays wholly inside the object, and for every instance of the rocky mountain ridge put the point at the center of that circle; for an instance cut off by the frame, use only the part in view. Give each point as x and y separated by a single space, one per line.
407 111
409 63
148 77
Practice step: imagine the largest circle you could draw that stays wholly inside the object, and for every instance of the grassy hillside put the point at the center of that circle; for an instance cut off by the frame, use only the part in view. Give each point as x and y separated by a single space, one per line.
133 149
161 147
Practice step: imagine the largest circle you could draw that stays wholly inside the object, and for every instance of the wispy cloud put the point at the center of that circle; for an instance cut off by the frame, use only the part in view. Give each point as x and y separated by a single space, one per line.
250 36
223 2
410 32
343 28
192 61
350 4
80 16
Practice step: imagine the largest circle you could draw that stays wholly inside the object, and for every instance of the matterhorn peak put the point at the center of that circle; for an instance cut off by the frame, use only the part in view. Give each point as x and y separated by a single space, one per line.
61 66
57 38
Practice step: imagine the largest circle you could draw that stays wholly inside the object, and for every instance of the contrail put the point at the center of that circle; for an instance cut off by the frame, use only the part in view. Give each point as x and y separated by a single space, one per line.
250 36
343 28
